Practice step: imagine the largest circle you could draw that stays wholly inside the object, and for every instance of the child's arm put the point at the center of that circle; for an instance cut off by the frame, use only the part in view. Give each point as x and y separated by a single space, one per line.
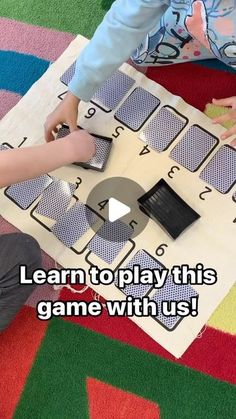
122 30
21 164
230 116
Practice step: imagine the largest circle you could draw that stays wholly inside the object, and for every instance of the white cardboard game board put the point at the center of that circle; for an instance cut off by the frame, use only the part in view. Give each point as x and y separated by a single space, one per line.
211 240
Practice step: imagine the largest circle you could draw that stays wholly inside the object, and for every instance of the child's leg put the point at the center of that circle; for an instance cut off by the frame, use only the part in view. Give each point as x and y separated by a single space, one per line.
15 250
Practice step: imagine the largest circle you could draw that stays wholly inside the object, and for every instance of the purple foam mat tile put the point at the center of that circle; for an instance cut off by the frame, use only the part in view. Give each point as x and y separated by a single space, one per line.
193 149
221 169
74 224
163 129
110 240
145 261
113 90
25 193
56 199
137 108
172 292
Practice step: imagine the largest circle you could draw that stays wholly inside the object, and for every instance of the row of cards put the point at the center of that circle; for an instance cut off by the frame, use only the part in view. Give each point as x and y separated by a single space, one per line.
190 152
71 222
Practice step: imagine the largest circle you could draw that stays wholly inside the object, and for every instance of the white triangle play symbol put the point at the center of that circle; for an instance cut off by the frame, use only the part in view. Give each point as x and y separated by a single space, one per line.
116 209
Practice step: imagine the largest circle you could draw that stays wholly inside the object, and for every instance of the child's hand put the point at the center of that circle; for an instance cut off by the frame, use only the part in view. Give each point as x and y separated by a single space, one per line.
65 112
230 116
83 146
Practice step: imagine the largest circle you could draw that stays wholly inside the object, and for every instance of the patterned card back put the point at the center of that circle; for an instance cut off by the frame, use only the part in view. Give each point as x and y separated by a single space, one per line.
25 193
221 170
193 149
163 129
137 108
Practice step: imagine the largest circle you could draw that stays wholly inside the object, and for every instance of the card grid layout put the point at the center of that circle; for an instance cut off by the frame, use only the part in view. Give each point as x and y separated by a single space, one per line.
137 108
221 170
163 129
193 149
76 234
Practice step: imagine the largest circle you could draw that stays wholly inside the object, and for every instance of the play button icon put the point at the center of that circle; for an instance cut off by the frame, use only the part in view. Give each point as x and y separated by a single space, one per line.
117 209
115 201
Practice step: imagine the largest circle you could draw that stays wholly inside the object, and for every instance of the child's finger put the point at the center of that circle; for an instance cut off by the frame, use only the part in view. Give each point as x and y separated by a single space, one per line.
228 133
228 101
223 118
73 125
48 131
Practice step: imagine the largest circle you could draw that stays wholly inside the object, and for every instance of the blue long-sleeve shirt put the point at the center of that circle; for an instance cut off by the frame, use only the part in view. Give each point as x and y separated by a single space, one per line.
123 28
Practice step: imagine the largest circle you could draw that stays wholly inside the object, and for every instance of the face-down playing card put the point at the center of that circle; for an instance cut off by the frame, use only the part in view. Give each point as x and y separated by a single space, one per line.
163 129
193 149
221 169
145 261
171 292
110 240
56 199
137 108
103 149
111 93
165 206
25 193
68 75
74 224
